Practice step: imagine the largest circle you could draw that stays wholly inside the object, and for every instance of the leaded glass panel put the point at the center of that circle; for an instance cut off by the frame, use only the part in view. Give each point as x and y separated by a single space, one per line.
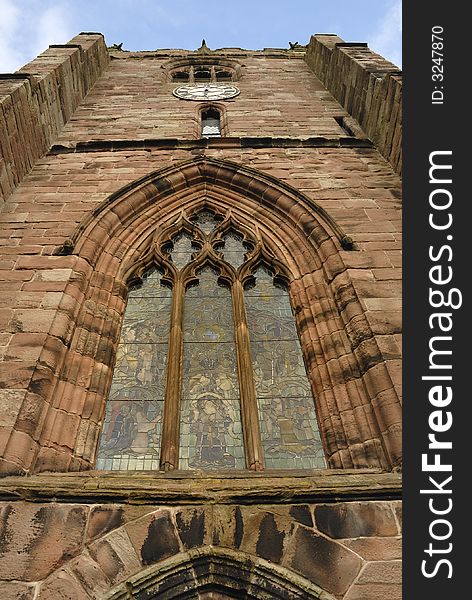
132 427
289 430
181 253
234 250
206 221
211 127
210 429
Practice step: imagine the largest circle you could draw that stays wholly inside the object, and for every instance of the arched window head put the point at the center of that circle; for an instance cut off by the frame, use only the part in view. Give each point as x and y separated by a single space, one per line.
211 123
209 371
203 71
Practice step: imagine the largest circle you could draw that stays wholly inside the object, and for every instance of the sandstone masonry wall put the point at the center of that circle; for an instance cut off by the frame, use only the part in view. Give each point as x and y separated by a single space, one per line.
80 551
355 185
133 99
81 128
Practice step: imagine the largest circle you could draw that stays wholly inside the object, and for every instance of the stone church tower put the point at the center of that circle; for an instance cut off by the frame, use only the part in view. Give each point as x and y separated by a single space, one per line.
200 308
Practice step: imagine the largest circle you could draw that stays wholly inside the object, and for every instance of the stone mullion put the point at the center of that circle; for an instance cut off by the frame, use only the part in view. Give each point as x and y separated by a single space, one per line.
171 419
249 411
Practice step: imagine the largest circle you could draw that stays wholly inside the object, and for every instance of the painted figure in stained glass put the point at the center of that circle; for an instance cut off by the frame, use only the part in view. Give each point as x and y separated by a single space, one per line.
213 427
210 421
132 427
121 430
289 430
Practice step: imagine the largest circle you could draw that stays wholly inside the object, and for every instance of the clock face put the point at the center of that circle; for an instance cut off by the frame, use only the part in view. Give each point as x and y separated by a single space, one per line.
206 91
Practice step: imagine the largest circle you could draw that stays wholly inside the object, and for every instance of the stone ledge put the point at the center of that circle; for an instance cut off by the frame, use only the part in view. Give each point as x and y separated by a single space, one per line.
7 76
230 142
192 487
170 53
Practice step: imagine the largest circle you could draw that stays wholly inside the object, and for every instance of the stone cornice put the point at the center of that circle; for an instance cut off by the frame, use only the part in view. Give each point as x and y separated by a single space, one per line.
238 487
230 142
228 53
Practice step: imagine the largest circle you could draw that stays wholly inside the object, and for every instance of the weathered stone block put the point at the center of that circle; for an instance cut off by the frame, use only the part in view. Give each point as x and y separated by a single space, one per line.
352 520
264 533
193 526
38 539
62 586
115 555
154 537
373 548
104 519
374 591
326 563
14 590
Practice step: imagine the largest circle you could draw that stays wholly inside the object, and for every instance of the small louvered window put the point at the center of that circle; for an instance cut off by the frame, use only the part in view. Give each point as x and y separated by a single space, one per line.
211 126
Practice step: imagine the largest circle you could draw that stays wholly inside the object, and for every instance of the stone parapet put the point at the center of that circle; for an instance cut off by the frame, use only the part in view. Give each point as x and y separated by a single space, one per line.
367 86
38 100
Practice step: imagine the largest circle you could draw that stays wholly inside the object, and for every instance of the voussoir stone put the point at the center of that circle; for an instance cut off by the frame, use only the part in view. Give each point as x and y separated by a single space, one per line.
38 539
154 537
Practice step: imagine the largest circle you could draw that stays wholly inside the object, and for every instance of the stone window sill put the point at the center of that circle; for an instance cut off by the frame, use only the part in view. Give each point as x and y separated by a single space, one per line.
197 487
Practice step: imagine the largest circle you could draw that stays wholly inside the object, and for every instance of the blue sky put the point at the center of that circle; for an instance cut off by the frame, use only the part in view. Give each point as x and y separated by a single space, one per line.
27 27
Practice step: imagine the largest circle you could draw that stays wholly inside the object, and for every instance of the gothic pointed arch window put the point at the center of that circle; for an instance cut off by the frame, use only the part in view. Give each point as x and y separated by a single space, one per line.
209 371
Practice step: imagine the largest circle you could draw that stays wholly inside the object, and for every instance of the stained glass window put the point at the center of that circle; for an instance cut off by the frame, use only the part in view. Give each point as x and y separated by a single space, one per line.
211 432
235 362
234 250
289 429
182 249
206 221
131 434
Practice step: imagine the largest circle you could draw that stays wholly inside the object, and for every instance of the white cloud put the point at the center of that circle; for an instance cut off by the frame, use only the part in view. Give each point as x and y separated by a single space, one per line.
9 55
27 32
53 28
387 38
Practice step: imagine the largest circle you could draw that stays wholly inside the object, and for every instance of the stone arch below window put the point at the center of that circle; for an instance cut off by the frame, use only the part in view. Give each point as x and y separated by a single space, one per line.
359 412
219 574
183 552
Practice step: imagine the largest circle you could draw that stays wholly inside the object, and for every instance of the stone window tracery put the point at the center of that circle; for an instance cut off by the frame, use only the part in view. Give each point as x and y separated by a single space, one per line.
209 371
204 72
